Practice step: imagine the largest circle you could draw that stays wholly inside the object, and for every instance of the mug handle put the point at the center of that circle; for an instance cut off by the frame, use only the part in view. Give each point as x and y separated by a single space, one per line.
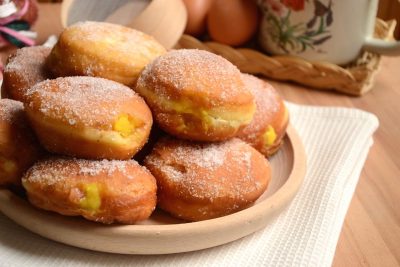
389 48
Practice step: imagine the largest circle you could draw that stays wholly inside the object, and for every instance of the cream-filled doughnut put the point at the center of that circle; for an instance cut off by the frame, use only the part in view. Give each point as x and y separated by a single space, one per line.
19 148
199 181
268 127
88 117
104 191
196 95
24 69
103 50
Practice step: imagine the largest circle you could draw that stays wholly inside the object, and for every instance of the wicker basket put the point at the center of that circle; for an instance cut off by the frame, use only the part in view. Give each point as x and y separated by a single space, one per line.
354 79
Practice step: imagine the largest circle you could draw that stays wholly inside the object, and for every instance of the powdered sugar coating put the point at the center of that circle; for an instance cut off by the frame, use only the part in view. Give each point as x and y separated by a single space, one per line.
89 100
102 191
268 106
105 50
125 40
195 74
11 110
28 65
208 170
19 148
56 170
209 156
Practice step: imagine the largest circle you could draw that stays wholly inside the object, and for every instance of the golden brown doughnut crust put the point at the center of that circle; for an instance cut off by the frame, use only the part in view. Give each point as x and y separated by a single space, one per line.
268 127
103 50
102 191
196 95
19 148
24 69
88 117
199 181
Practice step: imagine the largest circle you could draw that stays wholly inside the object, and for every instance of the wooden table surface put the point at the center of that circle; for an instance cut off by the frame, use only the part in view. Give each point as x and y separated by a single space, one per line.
371 231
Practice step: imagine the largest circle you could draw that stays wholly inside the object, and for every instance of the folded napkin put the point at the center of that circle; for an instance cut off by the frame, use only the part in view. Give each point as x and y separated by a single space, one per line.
336 140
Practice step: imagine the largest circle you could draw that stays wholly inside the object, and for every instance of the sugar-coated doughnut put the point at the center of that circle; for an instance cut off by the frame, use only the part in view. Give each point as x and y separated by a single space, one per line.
19 148
268 127
88 117
102 191
199 181
24 69
196 95
103 50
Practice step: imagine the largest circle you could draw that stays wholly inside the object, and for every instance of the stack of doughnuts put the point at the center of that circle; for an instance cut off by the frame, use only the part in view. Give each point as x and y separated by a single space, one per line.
81 112
69 138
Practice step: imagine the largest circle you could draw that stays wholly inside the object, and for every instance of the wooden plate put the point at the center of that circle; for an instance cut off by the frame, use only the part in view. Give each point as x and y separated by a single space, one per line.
162 234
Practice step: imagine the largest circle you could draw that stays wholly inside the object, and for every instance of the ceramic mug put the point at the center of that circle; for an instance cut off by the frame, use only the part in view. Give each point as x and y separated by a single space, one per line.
322 30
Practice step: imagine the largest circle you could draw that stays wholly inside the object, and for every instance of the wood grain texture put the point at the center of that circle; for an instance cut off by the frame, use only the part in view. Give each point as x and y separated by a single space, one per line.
374 213
371 232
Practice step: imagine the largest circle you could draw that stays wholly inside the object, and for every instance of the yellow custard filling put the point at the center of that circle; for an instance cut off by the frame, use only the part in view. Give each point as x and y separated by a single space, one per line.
209 117
124 133
92 200
125 125
269 136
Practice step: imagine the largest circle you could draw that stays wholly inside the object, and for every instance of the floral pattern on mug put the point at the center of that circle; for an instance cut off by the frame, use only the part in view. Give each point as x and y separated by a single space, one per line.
301 36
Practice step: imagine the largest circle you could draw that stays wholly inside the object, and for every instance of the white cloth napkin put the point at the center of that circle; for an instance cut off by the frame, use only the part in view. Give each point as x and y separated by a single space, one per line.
336 140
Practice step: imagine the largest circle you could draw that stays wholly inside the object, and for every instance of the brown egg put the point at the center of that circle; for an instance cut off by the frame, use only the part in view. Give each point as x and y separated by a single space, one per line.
232 22
197 13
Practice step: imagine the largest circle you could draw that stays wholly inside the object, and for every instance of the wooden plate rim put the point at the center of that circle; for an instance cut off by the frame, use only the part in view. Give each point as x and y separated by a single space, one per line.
250 219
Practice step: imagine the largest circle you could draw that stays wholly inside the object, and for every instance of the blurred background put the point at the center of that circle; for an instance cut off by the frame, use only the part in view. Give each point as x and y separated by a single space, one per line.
388 9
